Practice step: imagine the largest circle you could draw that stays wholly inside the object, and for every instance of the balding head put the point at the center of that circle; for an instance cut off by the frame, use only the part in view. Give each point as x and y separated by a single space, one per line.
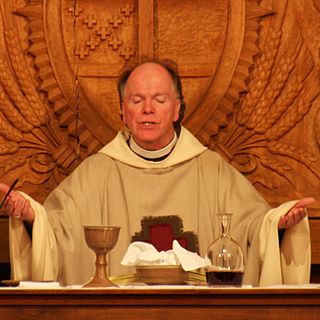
171 69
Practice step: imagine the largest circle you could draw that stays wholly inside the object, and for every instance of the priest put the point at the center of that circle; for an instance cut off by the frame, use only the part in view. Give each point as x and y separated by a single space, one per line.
156 167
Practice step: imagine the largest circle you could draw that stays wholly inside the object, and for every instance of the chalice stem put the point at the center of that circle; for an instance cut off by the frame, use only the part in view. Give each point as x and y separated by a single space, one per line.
101 266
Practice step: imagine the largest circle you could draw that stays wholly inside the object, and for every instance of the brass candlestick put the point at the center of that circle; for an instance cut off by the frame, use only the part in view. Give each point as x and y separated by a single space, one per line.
101 240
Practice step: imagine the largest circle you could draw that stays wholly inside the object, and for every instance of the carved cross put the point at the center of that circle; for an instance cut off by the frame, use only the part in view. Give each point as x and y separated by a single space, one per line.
127 52
90 21
75 11
115 21
103 32
82 52
127 10
115 42
92 43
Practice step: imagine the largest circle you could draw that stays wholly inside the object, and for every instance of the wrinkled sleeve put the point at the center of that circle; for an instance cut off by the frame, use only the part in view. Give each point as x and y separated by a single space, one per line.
36 261
289 263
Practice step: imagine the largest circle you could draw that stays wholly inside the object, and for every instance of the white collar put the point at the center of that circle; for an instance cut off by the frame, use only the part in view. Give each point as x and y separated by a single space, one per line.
152 154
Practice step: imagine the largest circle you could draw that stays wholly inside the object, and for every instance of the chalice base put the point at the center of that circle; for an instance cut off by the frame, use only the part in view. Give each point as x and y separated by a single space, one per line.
99 283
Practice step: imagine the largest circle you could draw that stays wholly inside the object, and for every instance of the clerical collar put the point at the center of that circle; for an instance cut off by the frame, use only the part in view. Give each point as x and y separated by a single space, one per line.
154 155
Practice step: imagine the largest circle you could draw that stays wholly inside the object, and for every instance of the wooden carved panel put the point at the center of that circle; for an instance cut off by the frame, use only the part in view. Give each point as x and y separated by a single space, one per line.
250 72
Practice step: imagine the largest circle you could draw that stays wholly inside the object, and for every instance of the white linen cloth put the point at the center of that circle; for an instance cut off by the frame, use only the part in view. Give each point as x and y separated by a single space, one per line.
142 253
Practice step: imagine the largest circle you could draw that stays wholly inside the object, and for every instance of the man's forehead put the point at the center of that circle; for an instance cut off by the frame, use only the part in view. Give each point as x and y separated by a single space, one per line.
155 79
149 69
150 65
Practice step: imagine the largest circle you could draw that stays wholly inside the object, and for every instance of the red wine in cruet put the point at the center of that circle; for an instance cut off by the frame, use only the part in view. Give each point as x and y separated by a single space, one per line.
224 278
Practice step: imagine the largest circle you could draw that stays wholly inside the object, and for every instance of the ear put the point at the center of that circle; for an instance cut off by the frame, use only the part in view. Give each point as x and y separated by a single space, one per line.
177 110
123 114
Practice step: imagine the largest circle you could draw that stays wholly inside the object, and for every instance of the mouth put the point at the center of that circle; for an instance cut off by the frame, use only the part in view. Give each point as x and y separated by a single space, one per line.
148 123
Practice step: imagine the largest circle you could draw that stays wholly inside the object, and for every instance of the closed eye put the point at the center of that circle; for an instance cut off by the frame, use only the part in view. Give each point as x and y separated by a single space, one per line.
160 98
136 99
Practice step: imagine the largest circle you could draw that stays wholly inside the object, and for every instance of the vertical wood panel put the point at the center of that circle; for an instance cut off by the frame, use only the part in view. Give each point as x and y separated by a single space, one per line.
146 28
315 240
4 240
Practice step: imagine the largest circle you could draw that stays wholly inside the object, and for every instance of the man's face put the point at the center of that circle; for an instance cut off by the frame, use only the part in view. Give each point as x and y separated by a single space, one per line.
150 106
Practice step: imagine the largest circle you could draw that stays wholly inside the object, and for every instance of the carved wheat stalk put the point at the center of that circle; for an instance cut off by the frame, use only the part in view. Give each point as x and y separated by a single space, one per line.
281 104
259 76
8 131
20 68
12 163
8 147
16 96
290 119
275 165
288 150
269 95
12 114
291 151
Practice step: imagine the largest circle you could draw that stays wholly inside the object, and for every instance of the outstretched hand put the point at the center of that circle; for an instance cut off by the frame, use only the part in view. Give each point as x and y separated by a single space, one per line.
295 214
16 205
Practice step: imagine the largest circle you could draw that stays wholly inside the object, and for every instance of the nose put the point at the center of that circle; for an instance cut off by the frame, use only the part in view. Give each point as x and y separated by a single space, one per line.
148 107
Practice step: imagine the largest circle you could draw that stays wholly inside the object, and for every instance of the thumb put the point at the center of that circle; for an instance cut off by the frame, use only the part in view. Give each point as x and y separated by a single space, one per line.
305 202
4 187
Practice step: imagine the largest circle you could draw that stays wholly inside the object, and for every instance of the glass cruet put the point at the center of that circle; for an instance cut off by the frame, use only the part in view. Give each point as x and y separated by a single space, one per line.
225 257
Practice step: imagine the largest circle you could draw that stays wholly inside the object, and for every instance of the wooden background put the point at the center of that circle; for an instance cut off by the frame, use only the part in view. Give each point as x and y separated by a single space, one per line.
250 73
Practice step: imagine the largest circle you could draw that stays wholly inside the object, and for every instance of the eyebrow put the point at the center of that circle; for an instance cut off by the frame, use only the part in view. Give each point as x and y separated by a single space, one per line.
160 94
154 95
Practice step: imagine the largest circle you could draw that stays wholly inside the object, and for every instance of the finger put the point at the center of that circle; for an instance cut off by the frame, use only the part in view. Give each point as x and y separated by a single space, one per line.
13 205
296 216
9 207
291 220
305 202
25 209
11 199
282 222
17 212
300 213
4 187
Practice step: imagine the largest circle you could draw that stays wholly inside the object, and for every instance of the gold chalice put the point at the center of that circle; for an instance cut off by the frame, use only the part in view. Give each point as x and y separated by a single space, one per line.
101 240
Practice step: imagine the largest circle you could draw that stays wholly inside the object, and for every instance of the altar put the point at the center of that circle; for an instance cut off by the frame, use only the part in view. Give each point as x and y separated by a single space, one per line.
157 302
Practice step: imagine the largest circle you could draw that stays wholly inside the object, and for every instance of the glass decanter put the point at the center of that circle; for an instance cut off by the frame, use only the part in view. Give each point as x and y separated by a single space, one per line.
225 255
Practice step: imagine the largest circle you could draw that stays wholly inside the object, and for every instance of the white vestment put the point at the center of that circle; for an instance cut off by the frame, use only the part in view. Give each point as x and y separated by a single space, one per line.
116 187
